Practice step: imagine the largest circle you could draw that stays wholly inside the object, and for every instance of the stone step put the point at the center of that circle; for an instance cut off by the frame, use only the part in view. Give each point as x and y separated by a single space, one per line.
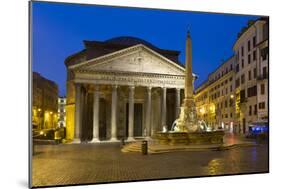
156 148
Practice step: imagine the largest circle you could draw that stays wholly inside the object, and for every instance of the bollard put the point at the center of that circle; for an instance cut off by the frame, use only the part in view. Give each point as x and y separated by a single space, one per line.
122 142
144 147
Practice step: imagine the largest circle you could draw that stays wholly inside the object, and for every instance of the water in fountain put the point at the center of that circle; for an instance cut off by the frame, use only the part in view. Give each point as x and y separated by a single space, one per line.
174 126
203 126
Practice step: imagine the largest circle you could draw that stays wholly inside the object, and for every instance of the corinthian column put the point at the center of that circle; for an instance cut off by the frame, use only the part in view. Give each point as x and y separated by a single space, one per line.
113 113
178 101
131 113
164 106
78 108
148 112
96 115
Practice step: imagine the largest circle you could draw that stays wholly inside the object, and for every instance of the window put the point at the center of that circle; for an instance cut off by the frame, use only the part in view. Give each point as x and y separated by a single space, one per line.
250 110
226 115
254 41
230 79
262 89
230 66
249 45
242 79
264 74
254 55
225 104
230 88
252 91
255 110
249 75
237 67
230 102
226 91
231 115
265 29
255 73
264 53
237 82
242 51
242 63
242 96
262 105
249 58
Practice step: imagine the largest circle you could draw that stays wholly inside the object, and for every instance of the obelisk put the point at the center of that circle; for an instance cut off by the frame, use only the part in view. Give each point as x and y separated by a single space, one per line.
187 121
188 89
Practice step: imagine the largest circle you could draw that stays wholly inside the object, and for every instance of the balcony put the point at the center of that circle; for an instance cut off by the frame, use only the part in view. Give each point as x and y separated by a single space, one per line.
262 77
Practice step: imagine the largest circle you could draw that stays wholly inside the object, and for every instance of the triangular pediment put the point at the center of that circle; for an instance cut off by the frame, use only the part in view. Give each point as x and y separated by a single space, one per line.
139 58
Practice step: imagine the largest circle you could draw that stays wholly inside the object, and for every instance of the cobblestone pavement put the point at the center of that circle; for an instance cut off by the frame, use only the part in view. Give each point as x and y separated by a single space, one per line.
99 163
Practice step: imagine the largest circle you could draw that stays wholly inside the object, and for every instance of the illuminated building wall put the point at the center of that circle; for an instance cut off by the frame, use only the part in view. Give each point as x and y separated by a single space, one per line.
44 102
239 87
215 98
251 52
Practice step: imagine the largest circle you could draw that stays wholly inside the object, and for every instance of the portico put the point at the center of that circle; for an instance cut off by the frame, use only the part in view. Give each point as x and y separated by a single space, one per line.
122 105
124 94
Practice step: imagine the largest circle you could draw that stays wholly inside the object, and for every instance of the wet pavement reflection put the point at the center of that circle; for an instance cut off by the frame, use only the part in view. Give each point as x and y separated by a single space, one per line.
88 163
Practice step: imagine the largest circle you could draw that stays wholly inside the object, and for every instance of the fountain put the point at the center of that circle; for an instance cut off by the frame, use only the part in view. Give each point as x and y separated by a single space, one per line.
187 129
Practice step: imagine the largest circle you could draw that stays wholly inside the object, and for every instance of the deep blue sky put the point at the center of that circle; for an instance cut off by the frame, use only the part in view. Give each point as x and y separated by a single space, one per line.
59 29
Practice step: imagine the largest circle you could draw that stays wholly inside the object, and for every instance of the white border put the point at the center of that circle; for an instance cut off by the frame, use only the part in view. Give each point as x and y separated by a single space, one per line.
14 90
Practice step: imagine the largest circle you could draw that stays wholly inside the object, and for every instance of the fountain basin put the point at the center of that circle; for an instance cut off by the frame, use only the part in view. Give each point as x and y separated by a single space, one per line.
181 138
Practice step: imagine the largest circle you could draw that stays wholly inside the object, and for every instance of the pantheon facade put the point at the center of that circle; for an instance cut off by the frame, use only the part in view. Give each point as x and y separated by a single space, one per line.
122 88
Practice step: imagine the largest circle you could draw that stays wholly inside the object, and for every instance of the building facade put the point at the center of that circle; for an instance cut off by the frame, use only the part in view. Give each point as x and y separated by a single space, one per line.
61 112
44 102
251 52
122 88
215 98
238 89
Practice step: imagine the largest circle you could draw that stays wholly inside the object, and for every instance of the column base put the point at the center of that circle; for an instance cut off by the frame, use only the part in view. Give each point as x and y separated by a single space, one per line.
76 141
148 138
114 140
95 140
129 139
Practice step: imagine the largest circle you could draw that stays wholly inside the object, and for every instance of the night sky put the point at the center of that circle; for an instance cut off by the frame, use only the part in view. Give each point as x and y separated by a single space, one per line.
58 30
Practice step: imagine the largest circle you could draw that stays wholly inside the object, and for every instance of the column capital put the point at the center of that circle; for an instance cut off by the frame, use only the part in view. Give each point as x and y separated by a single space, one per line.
131 87
77 85
97 87
114 87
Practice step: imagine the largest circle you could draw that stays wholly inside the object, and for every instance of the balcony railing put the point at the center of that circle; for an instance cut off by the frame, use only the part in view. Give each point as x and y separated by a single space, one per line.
262 77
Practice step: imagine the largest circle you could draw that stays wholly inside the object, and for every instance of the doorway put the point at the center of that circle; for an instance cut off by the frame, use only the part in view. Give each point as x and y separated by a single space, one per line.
102 119
138 120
